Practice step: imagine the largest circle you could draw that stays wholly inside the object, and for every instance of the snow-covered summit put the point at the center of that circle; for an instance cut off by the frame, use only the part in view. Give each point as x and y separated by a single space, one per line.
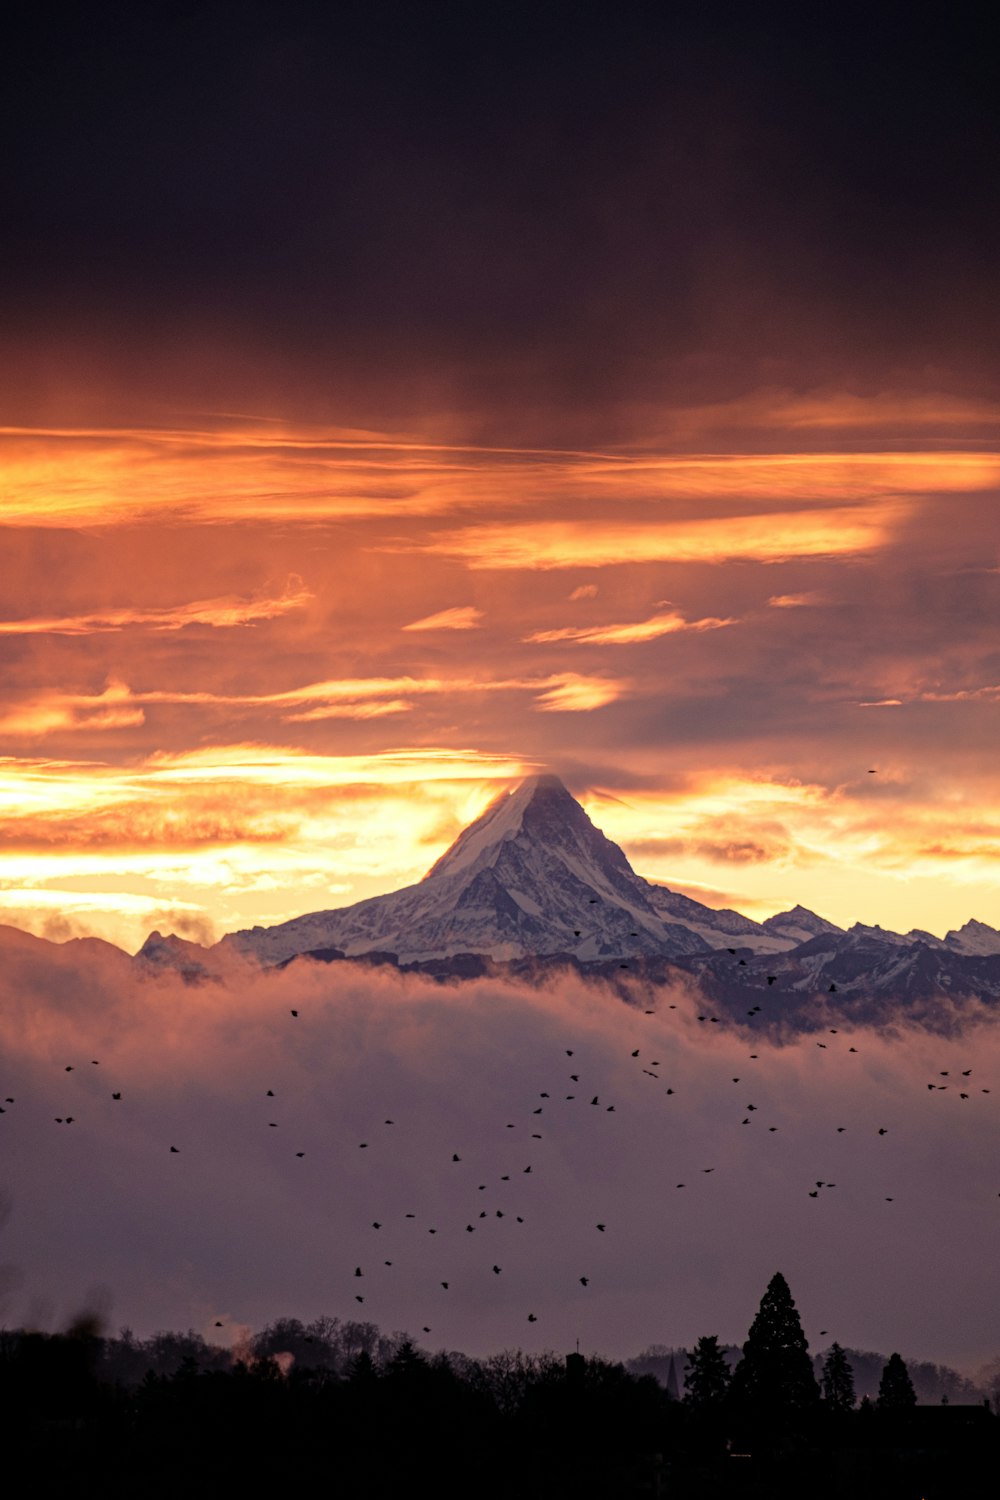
531 875
799 923
539 811
974 938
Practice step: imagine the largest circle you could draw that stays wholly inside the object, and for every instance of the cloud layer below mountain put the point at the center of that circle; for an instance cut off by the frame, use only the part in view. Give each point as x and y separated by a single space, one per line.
236 1226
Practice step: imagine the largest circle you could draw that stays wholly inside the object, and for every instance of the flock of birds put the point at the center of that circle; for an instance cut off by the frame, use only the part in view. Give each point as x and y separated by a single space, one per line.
649 1066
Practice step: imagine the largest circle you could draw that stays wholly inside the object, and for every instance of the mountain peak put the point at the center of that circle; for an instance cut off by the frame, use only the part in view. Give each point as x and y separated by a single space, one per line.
798 920
539 810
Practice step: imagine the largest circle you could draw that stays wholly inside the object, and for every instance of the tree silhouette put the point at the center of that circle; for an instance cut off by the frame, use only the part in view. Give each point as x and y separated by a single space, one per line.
895 1389
775 1371
838 1380
706 1374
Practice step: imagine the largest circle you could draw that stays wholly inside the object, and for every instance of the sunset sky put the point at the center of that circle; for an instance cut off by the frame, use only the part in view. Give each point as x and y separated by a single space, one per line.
398 400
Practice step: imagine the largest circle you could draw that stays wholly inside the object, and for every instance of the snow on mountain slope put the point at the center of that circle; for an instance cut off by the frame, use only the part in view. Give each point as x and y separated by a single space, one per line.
974 938
531 876
799 924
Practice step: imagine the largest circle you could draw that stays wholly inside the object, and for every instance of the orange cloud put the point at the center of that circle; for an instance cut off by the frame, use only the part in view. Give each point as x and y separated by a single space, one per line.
772 410
622 635
55 713
766 538
231 835
463 617
221 613
350 698
795 601
104 477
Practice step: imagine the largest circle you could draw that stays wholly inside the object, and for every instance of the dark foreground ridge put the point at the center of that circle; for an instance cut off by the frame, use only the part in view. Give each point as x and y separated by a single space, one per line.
340 1406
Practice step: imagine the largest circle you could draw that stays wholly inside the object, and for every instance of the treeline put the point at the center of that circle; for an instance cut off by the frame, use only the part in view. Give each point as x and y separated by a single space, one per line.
364 1414
933 1383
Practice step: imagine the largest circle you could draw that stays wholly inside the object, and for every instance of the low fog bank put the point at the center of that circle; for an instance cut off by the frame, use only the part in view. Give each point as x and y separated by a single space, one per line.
233 1226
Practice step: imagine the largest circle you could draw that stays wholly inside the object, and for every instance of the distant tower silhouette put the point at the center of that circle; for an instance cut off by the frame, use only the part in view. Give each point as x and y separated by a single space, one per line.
673 1389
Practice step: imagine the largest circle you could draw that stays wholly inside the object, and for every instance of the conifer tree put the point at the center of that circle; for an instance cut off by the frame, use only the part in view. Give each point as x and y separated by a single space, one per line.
776 1371
706 1374
838 1380
895 1389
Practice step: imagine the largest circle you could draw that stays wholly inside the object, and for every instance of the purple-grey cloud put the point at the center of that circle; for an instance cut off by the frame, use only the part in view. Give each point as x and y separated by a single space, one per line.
236 1220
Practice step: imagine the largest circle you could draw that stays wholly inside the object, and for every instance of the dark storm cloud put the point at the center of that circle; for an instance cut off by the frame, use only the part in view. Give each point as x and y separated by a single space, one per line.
451 209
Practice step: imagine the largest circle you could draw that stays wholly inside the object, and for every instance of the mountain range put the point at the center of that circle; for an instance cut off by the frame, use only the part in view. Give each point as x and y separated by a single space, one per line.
532 884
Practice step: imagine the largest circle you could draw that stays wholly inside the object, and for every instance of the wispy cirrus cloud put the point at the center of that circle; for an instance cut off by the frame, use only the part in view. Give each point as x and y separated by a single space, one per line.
796 601
58 477
224 612
628 634
118 706
461 617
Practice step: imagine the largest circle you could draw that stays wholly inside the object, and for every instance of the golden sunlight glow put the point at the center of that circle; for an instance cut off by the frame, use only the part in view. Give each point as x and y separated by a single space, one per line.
775 842
207 841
